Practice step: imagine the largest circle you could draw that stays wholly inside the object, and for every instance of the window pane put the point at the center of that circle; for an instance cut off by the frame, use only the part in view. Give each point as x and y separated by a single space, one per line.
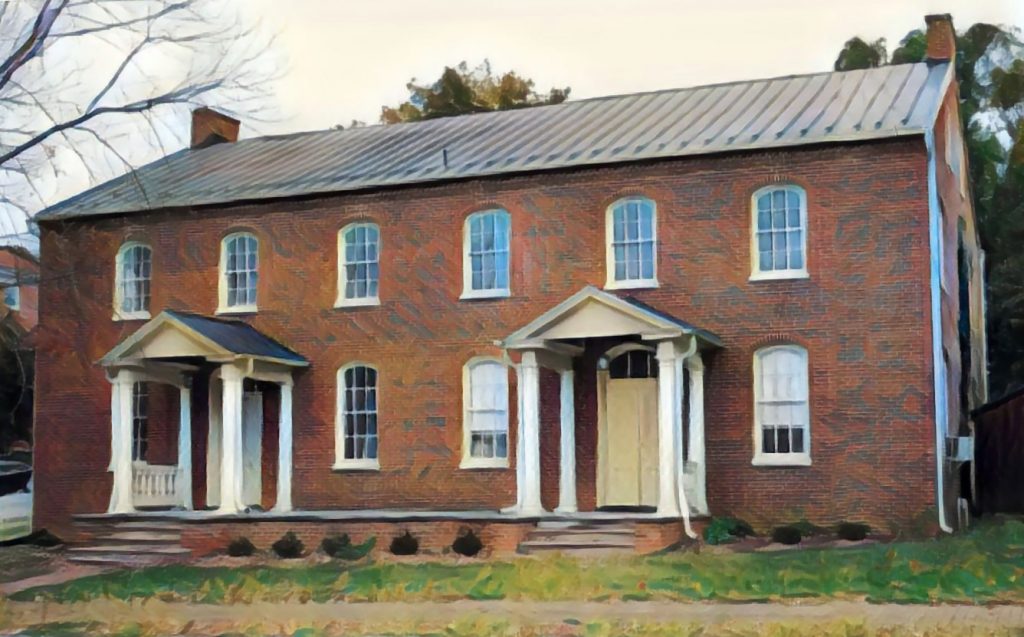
768 440
798 440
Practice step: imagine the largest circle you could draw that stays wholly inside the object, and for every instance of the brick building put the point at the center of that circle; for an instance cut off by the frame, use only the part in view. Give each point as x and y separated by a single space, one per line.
760 299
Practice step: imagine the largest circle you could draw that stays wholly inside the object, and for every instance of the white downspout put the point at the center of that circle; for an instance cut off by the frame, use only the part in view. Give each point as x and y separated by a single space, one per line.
938 364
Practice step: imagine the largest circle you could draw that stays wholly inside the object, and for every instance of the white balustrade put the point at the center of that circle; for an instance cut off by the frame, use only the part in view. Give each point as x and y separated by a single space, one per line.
155 485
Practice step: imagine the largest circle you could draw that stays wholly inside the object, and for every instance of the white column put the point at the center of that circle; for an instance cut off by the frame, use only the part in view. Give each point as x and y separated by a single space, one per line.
695 365
567 456
668 492
531 504
184 484
121 500
520 440
284 450
231 447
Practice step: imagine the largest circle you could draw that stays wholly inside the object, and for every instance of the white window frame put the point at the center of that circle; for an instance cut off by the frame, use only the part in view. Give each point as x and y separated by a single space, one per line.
611 283
468 460
341 463
467 262
15 291
756 273
802 459
119 313
223 307
361 301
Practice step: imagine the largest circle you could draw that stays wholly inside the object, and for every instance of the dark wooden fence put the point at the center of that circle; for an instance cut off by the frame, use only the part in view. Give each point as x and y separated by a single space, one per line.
999 455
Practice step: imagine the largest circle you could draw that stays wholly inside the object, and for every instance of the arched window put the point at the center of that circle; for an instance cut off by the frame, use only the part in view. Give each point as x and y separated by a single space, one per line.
359 264
485 263
356 436
781 415
134 267
239 264
485 418
631 229
779 237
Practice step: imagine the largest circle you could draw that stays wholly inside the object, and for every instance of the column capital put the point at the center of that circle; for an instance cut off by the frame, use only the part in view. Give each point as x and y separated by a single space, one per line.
231 371
695 364
529 360
666 352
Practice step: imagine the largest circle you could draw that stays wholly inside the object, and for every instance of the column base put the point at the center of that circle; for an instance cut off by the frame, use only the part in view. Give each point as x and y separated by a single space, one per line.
566 509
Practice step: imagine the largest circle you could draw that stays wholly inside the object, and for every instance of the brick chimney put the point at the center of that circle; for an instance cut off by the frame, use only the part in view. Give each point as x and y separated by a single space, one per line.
210 127
941 38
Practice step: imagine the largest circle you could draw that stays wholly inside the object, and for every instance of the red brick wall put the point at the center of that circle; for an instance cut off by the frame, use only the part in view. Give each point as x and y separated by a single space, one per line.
862 314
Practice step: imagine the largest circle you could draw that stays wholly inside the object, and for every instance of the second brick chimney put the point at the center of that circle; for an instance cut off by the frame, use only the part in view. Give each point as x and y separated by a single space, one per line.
940 38
210 127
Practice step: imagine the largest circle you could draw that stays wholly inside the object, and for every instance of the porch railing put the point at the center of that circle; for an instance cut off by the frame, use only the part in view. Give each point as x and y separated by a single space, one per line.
155 485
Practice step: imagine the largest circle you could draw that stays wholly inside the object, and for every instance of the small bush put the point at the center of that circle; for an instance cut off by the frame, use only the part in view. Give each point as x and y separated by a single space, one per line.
467 543
44 539
725 530
788 535
404 544
241 547
288 547
341 547
853 531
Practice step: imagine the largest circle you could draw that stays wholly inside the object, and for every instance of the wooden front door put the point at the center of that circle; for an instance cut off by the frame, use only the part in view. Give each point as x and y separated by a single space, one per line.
629 468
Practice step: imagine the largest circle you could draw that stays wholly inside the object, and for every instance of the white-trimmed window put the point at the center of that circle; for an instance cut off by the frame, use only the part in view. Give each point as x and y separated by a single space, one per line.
632 238
358 264
12 297
357 434
485 414
140 421
239 266
779 233
134 270
782 434
485 263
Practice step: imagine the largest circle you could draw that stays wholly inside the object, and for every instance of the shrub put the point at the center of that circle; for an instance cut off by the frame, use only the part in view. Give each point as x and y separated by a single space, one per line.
241 547
341 547
289 546
788 535
404 544
725 530
467 543
44 539
853 531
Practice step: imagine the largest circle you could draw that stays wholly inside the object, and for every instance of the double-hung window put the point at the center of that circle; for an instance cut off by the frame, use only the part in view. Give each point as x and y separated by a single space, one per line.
632 243
485 419
359 265
485 264
781 413
779 243
140 421
357 433
134 269
239 273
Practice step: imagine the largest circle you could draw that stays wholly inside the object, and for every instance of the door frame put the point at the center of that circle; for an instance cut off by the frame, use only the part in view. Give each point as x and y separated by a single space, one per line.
603 377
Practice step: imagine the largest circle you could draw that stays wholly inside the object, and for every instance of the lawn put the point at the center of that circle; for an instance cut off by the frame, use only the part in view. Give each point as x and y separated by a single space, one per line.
983 566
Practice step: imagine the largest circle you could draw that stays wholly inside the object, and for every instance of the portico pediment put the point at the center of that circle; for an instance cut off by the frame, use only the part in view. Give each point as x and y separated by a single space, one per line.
594 313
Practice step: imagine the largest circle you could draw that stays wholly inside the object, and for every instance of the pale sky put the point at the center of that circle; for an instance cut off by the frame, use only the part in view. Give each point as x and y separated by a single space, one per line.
347 58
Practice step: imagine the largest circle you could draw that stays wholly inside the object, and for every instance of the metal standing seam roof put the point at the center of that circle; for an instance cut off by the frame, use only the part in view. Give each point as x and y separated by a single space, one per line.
758 114
236 337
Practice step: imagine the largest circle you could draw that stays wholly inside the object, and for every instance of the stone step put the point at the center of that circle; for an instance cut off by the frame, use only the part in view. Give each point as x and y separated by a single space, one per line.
574 548
132 549
122 559
140 537
149 525
585 538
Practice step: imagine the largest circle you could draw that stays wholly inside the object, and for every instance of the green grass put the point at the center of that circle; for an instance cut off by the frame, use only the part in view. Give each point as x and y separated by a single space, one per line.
984 566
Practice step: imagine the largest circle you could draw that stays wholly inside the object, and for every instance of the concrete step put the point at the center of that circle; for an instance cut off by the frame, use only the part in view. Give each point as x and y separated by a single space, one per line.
149 525
122 559
588 538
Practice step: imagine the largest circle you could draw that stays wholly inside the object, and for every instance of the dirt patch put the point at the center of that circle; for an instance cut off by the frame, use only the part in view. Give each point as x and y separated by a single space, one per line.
22 561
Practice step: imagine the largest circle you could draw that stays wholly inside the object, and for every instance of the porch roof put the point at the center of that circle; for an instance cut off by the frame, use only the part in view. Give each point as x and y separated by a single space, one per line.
592 312
182 334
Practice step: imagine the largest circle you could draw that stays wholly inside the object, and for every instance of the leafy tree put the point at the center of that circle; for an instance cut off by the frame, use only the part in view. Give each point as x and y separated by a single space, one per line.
461 90
990 70
858 54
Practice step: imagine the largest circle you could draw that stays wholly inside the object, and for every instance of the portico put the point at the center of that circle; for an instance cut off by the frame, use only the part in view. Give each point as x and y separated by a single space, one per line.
233 360
649 373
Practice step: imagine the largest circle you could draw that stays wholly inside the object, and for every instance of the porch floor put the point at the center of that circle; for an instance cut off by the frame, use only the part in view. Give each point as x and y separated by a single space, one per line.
397 515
